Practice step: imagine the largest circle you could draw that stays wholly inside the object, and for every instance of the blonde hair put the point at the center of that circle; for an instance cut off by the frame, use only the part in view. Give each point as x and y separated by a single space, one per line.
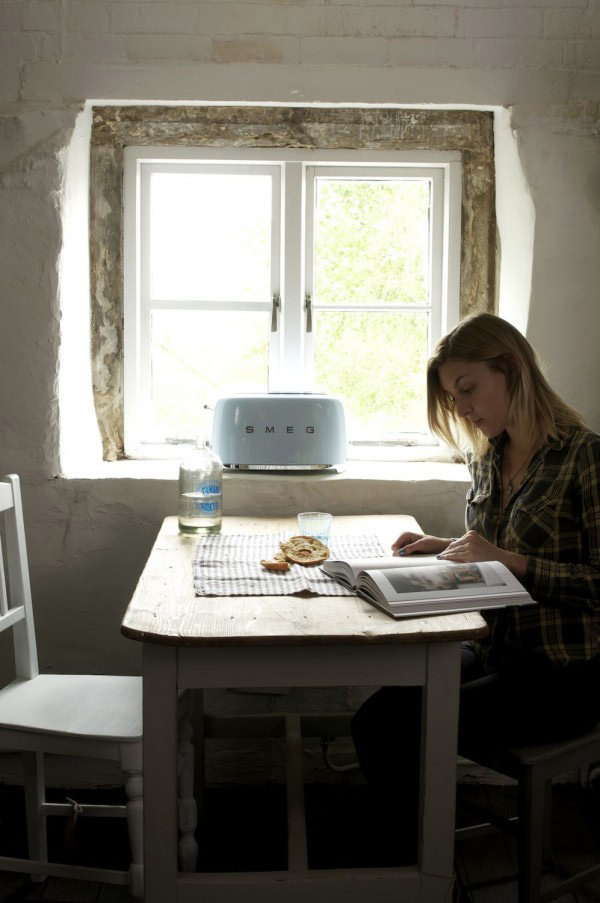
490 339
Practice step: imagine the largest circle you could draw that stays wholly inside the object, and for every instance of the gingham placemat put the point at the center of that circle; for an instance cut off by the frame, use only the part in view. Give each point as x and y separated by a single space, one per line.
230 566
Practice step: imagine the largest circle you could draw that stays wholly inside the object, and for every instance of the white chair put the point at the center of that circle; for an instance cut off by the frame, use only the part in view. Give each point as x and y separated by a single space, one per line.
96 716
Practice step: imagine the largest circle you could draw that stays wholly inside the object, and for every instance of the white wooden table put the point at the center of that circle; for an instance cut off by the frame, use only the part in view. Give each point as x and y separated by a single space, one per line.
261 641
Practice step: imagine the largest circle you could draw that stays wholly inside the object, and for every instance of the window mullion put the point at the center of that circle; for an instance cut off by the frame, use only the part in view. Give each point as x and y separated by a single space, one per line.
372 308
195 304
277 252
292 377
309 272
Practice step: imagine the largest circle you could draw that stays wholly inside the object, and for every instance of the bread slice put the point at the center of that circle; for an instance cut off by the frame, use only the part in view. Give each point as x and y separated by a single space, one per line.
304 550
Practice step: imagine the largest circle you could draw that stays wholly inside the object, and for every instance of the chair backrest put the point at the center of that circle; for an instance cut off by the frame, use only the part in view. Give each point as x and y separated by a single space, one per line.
16 612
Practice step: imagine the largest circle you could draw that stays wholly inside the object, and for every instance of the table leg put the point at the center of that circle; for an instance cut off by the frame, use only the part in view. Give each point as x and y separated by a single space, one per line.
188 814
198 739
438 759
160 773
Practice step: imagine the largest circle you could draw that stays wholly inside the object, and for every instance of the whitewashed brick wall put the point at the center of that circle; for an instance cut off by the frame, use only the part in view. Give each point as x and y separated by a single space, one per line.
482 34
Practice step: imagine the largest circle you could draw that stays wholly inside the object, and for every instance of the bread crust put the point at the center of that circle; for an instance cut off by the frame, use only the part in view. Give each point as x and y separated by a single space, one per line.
275 565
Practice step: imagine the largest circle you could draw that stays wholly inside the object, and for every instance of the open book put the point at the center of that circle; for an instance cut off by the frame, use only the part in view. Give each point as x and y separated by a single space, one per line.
420 585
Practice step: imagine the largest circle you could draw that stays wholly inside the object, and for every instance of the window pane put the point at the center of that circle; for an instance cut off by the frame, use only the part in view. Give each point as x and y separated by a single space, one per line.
372 241
210 237
197 356
376 363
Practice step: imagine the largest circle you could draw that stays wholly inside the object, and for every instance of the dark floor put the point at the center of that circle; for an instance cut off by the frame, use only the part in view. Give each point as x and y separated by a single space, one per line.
339 835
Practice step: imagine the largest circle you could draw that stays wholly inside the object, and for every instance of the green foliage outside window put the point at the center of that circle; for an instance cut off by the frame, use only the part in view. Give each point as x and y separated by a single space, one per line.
372 248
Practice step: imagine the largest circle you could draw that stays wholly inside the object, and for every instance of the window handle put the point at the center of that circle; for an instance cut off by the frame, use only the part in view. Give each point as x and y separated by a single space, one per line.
274 311
308 308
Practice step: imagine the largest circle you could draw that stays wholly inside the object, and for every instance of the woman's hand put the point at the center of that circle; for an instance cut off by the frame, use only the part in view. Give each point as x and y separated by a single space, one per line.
419 544
473 547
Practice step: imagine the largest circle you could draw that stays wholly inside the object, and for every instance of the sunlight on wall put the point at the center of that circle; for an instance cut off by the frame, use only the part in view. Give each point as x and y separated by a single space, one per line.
515 215
79 436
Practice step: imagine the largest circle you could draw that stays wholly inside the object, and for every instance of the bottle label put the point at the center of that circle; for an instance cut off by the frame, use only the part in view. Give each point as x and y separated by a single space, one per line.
207 488
209 507
209 501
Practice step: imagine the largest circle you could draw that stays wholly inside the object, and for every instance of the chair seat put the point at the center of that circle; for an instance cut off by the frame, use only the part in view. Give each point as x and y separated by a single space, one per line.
548 752
87 706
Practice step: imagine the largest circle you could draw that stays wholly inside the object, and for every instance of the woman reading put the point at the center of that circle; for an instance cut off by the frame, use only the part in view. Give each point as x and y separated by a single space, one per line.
534 505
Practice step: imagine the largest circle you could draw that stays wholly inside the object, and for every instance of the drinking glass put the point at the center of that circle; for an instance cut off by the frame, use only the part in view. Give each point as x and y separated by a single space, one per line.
315 523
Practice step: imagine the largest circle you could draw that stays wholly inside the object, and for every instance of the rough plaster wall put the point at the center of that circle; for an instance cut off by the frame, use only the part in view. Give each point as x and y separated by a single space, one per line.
106 275
30 183
564 313
515 215
89 538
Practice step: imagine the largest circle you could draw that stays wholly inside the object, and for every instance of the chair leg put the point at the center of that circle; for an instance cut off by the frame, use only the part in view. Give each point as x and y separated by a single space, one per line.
188 815
35 796
131 763
547 850
531 804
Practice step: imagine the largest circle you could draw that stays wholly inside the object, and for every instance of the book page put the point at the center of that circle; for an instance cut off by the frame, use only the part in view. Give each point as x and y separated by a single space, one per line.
357 565
413 561
353 567
445 581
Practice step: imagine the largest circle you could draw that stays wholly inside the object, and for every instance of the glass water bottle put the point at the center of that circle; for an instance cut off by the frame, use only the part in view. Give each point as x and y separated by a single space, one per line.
200 488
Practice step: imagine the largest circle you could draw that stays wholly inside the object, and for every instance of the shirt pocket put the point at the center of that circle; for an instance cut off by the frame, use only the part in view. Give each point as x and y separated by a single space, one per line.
534 524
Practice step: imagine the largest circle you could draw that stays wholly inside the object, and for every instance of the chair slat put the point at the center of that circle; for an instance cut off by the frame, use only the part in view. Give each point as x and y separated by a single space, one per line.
26 662
3 593
83 872
12 617
6 496
94 810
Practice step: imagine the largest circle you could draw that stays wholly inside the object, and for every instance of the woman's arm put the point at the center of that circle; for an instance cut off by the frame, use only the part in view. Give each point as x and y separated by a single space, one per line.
473 547
575 584
419 544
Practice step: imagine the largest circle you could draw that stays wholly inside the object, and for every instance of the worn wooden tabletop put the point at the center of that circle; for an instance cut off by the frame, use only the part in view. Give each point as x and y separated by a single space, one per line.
165 609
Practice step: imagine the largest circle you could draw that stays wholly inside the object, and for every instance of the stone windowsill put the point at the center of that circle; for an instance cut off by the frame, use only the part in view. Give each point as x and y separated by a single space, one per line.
393 471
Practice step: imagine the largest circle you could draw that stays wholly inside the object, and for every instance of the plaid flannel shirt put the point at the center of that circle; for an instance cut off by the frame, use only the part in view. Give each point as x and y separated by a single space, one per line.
553 519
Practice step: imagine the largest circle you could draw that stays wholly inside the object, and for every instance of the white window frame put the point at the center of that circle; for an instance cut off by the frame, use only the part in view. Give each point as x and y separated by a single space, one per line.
294 172
138 302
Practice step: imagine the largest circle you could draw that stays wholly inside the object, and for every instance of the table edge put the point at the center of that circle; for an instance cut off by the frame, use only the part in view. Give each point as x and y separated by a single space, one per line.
453 635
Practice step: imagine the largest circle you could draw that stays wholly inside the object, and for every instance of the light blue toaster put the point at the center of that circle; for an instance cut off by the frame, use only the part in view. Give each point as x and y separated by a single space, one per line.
280 431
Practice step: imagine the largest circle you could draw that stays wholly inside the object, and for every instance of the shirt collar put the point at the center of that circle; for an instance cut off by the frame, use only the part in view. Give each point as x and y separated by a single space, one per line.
497 443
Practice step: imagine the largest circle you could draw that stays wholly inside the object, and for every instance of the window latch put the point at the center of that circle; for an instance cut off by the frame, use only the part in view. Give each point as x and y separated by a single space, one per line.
274 311
308 309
